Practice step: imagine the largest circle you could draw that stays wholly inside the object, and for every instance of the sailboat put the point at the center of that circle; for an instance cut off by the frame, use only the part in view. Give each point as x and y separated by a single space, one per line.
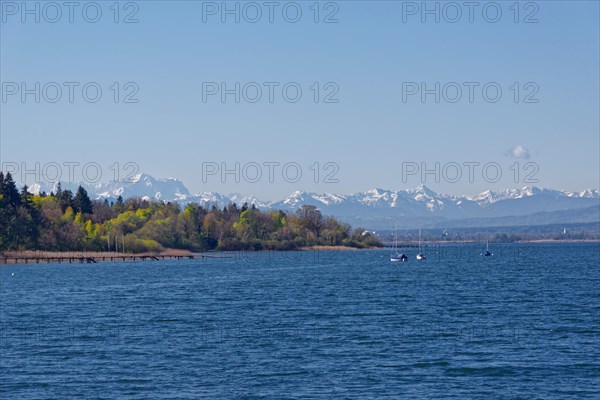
420 255
396 256
487 245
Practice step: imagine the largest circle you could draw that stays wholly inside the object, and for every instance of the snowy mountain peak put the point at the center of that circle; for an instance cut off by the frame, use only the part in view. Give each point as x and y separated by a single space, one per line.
423 189
589 193
372 205
136 178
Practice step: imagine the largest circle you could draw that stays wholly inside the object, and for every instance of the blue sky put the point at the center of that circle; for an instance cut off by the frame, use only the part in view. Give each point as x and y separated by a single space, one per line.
374 50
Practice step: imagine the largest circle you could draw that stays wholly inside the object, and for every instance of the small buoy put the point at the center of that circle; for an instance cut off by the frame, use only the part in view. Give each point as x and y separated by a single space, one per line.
13 274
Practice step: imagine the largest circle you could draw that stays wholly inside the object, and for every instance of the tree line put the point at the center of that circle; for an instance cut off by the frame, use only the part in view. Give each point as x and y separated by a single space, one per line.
66 221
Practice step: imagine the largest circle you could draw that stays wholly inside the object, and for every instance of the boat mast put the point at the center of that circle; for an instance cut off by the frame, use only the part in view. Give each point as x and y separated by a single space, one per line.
396 236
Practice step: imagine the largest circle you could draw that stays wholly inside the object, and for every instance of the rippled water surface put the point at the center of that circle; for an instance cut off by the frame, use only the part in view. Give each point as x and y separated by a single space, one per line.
522 324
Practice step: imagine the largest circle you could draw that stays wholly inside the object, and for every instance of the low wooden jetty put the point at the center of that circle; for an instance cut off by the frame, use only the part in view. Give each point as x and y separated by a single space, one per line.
95 258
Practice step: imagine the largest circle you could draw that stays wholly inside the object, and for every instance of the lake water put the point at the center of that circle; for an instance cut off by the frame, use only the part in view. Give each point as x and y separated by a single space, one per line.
522 324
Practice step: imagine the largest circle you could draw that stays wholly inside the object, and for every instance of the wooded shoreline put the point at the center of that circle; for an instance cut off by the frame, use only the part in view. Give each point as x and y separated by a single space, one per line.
64 221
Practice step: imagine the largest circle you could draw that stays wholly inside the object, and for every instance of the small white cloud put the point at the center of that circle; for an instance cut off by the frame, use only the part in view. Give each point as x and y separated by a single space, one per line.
519 151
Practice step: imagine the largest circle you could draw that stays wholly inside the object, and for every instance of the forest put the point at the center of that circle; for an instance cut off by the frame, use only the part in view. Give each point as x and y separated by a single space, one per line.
66 221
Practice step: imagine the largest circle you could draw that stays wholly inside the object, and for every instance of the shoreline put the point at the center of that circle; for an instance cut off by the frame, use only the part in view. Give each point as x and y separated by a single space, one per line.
69 257
560 241
334 248
14 257
411 244
87 257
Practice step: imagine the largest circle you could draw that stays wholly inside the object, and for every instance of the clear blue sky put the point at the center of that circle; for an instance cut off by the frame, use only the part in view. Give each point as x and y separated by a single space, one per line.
369 53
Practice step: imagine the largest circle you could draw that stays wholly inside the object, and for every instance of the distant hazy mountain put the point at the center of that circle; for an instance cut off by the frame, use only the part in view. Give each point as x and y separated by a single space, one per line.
378 208
585 215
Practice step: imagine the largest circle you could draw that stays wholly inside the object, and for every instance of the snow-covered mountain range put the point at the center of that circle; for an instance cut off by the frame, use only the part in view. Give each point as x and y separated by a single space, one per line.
374 208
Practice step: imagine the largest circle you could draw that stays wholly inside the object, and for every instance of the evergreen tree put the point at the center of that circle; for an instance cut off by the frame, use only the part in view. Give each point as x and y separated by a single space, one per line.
10 191
65 199
1 183
27 198
58 190
82 202
119 205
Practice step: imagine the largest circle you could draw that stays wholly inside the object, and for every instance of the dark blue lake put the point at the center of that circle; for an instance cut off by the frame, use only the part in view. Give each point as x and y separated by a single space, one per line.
522 324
